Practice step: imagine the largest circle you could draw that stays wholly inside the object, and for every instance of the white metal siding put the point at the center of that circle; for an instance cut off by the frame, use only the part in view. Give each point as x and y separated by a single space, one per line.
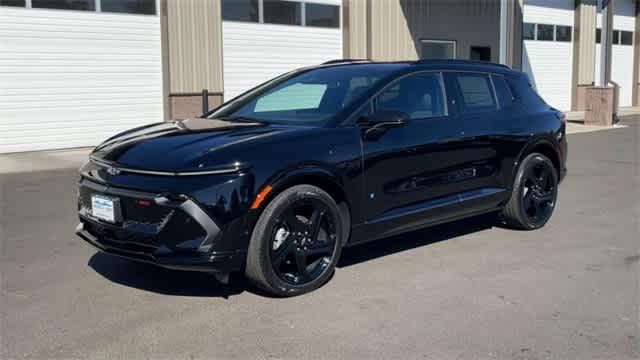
254 53
622 55
74 78
549 64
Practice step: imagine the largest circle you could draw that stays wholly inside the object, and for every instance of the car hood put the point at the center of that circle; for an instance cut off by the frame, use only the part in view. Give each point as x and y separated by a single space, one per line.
184 145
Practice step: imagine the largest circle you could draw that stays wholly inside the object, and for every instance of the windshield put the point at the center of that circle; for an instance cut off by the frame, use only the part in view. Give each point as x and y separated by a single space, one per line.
312 97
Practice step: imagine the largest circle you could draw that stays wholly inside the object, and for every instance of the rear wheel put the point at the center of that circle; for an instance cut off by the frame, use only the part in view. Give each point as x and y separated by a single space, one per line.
295 244
534 195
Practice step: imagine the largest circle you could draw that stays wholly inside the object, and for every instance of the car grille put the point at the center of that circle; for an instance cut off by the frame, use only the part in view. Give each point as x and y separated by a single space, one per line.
135 217
143 227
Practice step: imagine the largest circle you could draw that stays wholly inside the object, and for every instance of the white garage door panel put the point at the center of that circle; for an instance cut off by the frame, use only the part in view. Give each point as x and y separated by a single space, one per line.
621 70
549 64
70 78
255 53
622 55
549 67
557 12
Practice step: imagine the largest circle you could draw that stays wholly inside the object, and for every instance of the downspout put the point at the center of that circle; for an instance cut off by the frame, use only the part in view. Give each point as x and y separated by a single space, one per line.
503 31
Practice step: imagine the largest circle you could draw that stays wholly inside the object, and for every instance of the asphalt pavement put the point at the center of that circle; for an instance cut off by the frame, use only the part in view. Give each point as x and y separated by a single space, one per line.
468 290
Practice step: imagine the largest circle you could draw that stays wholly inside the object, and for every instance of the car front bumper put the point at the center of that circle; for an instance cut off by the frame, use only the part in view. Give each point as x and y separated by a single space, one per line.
172 231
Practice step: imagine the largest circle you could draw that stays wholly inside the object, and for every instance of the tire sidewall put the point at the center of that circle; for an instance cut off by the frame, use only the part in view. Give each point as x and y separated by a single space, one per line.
528 162
261 236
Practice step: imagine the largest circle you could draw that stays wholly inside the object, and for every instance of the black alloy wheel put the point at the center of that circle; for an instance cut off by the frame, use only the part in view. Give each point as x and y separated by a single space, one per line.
304 242
534 195
296 242
539 192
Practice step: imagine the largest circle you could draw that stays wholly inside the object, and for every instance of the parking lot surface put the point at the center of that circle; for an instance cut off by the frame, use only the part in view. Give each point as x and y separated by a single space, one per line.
468 290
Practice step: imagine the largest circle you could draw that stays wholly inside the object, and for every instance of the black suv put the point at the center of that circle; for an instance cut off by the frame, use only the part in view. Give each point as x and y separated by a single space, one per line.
276 181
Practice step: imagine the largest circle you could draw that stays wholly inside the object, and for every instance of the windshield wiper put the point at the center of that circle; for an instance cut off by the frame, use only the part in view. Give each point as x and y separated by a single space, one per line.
242 119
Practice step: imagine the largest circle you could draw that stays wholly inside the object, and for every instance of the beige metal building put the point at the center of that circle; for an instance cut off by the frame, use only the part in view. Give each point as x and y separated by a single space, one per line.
128 63
559 53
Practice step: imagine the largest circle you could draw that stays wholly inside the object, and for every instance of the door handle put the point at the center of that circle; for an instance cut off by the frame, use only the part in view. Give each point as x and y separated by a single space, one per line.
448 140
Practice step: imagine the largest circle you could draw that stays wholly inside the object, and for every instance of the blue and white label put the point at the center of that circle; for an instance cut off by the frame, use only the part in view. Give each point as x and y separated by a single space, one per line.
102 208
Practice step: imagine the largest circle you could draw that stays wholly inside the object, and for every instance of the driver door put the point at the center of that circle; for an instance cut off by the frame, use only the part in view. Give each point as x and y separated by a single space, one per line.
408 170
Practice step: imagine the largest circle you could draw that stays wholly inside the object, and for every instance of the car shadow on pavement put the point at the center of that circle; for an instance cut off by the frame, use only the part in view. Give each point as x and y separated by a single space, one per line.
395 244
153 278
185 283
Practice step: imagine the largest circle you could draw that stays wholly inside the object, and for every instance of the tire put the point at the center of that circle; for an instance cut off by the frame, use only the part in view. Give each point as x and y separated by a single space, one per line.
534 194
277 232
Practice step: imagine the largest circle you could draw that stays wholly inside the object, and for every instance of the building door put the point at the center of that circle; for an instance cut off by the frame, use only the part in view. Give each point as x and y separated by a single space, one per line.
75 78
480 53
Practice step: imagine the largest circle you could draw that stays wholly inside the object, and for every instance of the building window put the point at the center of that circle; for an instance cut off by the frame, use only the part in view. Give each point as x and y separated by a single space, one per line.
598 36
322 15
626 37
19 3
438 49
282 12
545 32
240 10
529 31
88 5
563 33
146 7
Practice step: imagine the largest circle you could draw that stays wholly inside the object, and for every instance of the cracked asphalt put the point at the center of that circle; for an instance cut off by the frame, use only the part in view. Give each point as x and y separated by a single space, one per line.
468 290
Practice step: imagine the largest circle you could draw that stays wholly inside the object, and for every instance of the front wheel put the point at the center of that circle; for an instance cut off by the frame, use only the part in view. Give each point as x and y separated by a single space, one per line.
295 244
535 191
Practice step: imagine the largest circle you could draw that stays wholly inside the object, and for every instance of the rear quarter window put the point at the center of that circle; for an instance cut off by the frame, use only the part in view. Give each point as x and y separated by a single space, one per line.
523 90
503 92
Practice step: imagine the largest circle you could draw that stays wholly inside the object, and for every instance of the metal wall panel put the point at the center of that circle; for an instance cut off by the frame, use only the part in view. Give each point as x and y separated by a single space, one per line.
194 29
584 42
355 28
395 27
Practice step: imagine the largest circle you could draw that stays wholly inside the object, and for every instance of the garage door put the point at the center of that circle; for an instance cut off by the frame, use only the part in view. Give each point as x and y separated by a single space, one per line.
548 51
74 78
256 51
622 49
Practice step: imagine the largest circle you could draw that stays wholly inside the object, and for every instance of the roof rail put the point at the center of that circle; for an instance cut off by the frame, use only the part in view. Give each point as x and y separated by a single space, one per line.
338 61
462 62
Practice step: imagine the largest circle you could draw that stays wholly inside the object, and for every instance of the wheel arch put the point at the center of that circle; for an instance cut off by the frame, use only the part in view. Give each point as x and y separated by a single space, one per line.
542 146
319 177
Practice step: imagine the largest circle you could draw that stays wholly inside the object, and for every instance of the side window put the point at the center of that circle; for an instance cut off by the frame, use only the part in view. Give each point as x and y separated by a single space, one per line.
420 96
476 92
505 97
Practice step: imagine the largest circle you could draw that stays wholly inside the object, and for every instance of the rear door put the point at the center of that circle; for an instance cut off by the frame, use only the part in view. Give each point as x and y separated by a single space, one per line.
479 184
